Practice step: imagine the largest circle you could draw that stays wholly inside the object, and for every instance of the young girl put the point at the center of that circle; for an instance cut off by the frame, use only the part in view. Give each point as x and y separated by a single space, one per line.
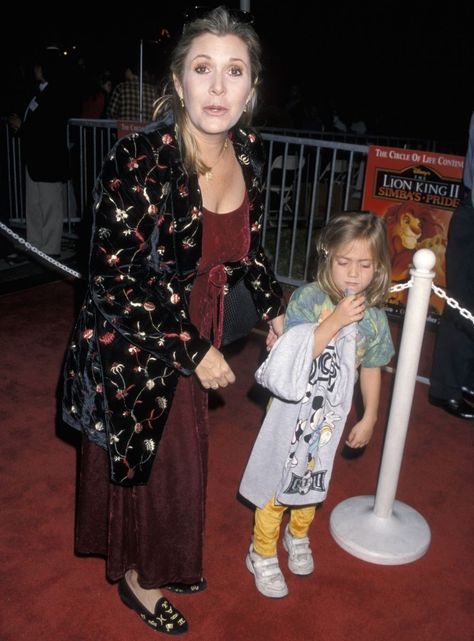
331 327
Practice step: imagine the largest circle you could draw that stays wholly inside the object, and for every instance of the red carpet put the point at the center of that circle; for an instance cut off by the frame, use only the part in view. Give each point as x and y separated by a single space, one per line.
48 594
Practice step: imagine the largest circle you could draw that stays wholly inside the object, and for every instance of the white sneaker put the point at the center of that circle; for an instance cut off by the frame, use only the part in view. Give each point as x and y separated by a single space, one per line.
300 556
268 576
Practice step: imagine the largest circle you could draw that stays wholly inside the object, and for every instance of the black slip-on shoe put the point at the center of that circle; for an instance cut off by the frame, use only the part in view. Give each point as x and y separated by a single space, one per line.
187 588
166 618
455 407
468 393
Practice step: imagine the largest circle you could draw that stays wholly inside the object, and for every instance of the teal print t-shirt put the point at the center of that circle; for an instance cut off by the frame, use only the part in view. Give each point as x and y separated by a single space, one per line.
374 346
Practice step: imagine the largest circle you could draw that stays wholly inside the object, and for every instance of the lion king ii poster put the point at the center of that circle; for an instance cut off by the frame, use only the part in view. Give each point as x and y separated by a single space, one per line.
415 192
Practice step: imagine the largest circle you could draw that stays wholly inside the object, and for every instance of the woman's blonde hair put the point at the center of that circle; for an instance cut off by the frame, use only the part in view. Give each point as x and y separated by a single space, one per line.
219 22
346 228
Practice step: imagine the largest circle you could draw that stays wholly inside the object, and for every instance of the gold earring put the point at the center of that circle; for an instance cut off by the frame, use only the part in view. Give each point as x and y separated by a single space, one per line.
182 103
245 108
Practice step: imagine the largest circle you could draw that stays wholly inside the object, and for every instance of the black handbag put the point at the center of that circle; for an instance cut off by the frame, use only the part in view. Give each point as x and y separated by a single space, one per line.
240 313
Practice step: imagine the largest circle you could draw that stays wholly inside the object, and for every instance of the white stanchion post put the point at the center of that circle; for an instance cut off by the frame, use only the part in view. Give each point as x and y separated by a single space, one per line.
383 530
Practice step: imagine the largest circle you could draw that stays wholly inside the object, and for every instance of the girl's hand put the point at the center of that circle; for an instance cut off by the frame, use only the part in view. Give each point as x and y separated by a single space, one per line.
213 371
350 309
275 331
360 434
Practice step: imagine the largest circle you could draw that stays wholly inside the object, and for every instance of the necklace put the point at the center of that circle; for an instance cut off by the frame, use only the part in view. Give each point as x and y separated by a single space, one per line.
209 175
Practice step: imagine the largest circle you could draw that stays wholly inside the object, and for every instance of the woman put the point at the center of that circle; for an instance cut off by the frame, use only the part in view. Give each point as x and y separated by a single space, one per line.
177 220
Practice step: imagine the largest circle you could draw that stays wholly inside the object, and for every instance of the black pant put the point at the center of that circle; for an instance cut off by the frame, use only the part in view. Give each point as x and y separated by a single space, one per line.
453 361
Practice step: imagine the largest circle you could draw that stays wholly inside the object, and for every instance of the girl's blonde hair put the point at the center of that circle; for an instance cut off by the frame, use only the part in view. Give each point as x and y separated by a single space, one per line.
346 228
219 22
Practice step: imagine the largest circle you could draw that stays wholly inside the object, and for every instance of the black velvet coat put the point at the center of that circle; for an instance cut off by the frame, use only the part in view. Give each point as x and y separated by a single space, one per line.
134 337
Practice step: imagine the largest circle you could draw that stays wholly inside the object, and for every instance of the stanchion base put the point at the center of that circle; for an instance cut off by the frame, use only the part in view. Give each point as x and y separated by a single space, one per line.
403 537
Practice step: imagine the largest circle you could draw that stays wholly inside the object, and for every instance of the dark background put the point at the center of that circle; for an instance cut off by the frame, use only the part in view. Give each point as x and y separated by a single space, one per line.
405 68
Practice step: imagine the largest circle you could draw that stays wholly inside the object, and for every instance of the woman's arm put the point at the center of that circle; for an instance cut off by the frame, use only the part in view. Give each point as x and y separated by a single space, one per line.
134 281
370 381
275 330
265 289
267 295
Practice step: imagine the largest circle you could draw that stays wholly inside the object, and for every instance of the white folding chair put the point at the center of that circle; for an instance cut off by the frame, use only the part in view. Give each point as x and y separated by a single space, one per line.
283 179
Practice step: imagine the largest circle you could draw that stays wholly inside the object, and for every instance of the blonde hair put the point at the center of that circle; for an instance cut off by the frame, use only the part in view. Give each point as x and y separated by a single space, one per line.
219 22
346 228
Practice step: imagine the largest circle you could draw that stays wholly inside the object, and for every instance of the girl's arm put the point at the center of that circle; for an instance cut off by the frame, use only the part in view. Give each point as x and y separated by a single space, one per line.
349 310
361 433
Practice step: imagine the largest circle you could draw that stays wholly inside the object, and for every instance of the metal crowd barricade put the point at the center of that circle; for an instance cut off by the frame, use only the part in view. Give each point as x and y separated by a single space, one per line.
363 139
306 181
89 142
11 176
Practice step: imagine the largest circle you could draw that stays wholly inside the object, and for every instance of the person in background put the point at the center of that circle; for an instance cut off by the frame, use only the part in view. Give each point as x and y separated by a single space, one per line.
95 102
452 373
124 103
43 133
358 127
177 224
337 123
332 327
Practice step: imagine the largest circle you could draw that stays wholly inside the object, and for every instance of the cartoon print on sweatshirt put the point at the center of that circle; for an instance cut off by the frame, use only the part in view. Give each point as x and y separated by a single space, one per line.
316 432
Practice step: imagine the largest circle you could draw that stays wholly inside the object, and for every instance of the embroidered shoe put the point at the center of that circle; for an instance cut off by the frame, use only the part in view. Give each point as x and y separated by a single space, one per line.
268 576
300 556
166 618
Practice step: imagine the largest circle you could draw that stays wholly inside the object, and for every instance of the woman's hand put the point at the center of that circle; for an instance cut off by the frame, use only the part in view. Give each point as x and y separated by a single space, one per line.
213 371
275 330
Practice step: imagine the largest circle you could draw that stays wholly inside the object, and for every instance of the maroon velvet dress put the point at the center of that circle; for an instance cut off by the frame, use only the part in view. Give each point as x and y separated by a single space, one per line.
157 529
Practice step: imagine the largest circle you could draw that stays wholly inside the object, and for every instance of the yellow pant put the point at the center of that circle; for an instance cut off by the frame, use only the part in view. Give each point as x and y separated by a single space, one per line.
267 525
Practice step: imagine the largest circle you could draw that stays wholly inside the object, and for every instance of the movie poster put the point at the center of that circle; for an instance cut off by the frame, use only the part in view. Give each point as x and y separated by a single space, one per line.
416 192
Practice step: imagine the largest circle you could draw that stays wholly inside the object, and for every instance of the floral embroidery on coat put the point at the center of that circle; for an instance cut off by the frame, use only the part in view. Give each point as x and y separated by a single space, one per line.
133 336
